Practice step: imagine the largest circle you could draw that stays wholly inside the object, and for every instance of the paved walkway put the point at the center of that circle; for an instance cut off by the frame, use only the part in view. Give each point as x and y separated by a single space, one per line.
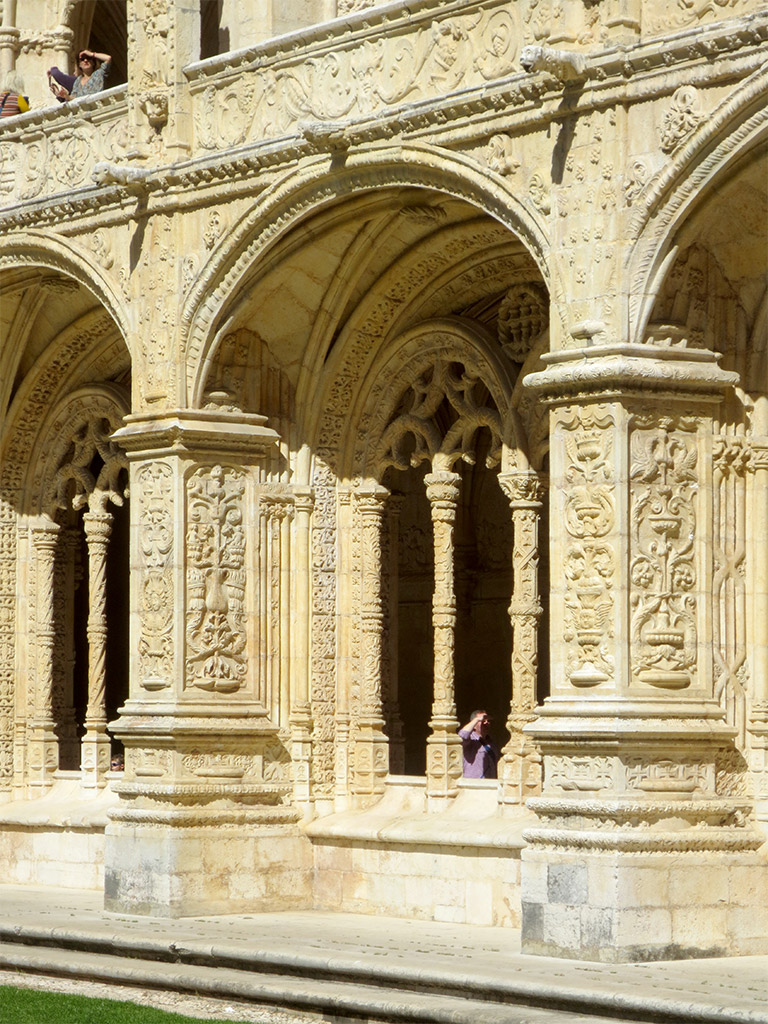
399 954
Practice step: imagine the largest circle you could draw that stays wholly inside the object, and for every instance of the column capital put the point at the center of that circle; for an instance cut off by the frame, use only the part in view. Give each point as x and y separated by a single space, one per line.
524 488
182 432
613 369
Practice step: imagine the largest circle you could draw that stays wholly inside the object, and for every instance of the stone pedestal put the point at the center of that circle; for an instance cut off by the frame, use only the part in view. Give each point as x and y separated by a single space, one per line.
205 822
646 846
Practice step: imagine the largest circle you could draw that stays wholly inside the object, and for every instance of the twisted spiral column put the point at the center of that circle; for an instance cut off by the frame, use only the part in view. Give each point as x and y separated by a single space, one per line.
96 743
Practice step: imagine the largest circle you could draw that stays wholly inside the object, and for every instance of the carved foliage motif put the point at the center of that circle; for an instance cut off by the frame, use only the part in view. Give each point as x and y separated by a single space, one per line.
691 12
216 579
683 117
451 52
155 497
664 486
590 561
64 156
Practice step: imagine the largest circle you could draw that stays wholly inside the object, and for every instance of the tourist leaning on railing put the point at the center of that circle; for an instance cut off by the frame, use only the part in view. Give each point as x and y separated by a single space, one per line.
92 69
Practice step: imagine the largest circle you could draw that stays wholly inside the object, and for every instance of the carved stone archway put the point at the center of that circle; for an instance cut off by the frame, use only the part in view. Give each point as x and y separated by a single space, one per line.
438 399
79 483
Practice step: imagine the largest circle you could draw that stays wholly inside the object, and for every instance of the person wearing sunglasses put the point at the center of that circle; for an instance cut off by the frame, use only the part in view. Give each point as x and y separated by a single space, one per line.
92 69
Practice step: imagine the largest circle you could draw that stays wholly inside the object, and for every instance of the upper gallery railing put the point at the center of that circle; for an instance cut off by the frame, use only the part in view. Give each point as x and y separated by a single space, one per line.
382 63
53 150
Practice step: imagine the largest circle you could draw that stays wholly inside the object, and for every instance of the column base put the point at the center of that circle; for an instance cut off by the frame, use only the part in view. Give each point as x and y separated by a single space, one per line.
191 872
632 908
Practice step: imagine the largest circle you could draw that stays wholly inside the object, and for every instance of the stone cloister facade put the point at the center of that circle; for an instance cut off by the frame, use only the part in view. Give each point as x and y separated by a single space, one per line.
362 365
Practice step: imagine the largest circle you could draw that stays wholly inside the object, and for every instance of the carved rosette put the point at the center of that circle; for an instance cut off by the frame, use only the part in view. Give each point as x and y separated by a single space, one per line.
216 657
663 539
154 493
589 562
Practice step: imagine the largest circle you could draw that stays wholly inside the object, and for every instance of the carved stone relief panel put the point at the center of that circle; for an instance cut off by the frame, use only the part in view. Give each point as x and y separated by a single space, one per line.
732 458
217 656
425 57
59 155
667 775
589 562
154 486
586 194
661 17
574 773
8 631
664 551
324 634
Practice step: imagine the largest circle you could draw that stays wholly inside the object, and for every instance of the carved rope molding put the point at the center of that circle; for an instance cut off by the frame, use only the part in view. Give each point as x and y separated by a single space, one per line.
669 192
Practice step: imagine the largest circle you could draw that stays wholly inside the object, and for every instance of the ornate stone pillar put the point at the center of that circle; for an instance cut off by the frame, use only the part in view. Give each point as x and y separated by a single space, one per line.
43 748
520 768
758 714
69 572
644 823
371 748
391 697
443 745
301 710
205 822
95 746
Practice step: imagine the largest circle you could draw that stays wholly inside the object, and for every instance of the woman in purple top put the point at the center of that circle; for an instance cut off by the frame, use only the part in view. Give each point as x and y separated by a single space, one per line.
480 755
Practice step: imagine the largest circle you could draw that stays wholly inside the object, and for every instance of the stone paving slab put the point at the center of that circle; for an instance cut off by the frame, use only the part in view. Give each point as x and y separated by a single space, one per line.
415 954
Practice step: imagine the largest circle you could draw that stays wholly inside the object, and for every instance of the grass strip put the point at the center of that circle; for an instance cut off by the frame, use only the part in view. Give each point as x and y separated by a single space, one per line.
31 1006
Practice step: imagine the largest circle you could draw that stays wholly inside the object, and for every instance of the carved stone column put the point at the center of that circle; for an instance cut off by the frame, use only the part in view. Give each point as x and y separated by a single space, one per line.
301 710
43 749
206 822
371 748
758 715
520 768
95 747
641 786
69 572
391 697
443 745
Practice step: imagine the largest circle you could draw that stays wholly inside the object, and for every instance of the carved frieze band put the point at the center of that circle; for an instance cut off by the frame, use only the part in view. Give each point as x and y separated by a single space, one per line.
216 636
431 57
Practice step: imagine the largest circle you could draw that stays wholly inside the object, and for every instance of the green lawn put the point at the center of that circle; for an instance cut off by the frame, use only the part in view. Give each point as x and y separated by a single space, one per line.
28 1006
